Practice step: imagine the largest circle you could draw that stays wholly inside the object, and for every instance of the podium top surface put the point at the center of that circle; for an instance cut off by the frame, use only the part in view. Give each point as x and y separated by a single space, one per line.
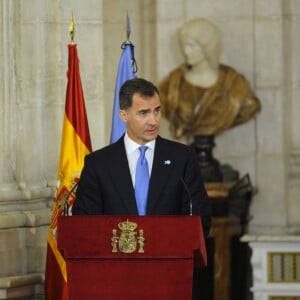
144 237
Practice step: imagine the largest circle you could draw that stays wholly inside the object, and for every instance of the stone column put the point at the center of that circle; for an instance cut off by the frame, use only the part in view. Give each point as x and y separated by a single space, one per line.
7 97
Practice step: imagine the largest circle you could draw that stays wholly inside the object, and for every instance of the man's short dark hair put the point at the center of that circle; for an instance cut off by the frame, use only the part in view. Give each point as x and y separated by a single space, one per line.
133 86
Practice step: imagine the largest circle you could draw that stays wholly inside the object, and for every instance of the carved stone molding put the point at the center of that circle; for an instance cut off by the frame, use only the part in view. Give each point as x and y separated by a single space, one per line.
22 286
262 247
25 199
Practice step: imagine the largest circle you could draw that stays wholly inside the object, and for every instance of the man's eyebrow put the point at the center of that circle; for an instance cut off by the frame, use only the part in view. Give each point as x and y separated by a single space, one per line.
144 110
148 109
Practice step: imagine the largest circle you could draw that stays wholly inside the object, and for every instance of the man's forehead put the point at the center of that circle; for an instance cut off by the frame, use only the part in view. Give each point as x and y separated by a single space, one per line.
139 98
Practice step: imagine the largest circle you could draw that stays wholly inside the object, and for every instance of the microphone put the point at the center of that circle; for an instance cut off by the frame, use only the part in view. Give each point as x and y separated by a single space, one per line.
189 195
66 203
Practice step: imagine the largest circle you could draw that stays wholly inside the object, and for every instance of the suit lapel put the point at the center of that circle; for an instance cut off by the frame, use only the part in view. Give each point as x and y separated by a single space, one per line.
122 178
161 170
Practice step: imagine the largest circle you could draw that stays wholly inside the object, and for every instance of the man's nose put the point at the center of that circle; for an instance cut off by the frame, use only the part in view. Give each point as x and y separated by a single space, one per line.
153 118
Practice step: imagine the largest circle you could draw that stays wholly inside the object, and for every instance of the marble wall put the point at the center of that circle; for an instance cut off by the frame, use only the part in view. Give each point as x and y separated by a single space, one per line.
259 40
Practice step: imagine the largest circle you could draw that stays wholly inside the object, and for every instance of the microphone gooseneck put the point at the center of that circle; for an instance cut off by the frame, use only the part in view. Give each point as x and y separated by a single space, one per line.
189 195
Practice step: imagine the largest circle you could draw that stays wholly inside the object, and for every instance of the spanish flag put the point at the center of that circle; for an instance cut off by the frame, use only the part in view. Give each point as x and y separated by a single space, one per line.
75 144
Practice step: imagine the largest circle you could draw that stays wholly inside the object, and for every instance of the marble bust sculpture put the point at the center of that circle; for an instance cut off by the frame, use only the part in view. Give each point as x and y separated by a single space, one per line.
203 96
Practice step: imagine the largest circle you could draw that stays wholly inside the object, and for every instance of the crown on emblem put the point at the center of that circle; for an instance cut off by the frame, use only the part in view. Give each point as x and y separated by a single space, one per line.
127 226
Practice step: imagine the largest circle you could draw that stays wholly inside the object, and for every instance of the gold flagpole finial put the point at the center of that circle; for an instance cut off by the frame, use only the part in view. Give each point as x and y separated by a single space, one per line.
72 29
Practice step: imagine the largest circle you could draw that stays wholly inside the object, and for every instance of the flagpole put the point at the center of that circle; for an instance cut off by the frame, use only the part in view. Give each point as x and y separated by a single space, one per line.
128 30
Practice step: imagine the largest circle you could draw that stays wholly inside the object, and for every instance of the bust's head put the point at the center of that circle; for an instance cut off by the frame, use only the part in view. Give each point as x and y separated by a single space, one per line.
200 39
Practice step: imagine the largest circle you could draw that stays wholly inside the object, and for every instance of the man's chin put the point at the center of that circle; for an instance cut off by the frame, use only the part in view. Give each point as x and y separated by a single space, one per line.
151 136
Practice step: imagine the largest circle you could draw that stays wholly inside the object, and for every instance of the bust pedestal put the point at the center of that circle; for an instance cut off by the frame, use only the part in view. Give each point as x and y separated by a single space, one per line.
211 169
229 277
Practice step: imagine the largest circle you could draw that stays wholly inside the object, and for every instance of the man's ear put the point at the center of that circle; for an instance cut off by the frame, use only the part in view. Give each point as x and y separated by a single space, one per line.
123 115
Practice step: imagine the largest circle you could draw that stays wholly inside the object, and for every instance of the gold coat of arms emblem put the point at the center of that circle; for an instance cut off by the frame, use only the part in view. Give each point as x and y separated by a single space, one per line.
127 240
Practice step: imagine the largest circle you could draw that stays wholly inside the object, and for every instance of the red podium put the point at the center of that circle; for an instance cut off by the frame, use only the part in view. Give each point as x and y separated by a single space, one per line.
131 257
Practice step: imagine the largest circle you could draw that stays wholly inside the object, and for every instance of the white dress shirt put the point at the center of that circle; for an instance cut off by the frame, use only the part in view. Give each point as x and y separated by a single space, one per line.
133 153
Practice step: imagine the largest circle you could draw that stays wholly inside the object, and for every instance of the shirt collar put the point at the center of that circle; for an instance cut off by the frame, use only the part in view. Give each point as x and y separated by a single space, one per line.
132 146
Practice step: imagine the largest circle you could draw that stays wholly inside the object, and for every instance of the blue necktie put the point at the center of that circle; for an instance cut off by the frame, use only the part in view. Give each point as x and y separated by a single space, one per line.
141 181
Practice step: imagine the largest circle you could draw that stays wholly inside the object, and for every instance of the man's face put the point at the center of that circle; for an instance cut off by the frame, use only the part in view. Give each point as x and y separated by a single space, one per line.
142 118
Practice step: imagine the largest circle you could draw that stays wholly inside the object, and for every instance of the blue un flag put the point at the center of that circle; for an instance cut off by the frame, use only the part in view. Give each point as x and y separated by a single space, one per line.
127 70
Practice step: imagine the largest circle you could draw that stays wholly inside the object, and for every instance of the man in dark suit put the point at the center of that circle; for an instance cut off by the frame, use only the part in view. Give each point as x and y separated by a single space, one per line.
107 181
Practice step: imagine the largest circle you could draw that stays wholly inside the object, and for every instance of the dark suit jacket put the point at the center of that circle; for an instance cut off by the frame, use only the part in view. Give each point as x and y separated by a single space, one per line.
106 188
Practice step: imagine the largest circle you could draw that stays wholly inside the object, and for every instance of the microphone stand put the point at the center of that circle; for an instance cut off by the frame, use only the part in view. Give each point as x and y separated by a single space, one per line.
66 204
189 195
